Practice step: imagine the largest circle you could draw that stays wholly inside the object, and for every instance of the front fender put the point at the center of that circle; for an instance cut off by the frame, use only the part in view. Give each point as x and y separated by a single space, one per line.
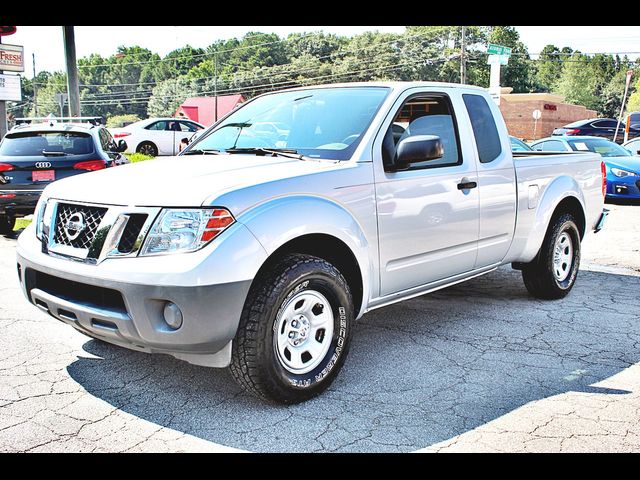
560 188
283 219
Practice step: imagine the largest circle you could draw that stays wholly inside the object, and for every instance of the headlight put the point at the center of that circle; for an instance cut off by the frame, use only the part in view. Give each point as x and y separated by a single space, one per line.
623 173
39 216
181 230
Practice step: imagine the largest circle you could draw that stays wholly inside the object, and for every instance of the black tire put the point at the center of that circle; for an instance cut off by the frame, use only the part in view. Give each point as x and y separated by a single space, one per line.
148 148
6 225
256 363
539 276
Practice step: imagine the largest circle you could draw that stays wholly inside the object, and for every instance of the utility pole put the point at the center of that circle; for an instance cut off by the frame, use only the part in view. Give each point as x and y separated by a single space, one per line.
72 71
463 61
35 87
215 85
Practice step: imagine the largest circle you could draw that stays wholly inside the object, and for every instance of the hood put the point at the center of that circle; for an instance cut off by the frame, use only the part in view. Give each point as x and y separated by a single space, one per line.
624 163
185 181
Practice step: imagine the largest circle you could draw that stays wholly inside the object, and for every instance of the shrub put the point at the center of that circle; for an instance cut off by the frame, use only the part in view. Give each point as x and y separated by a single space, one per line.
118 121
138 157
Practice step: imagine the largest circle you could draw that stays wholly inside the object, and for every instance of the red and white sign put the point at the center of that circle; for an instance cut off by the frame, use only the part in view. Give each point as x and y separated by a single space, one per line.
11 58
7 30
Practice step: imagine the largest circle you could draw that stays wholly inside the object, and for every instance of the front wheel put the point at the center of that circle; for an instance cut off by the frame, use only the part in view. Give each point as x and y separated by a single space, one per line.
552 274
294 330
6 225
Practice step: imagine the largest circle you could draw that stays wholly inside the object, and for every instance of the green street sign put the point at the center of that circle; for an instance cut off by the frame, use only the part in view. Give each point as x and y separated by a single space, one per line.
493 49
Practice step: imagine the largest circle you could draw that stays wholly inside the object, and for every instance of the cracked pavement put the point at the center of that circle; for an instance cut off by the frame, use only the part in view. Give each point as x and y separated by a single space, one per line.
480 366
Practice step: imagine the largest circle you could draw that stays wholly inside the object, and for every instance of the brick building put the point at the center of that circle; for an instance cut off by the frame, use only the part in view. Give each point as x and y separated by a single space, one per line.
517 110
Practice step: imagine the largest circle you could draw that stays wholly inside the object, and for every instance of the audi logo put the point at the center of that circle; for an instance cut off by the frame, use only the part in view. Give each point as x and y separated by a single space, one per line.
43 164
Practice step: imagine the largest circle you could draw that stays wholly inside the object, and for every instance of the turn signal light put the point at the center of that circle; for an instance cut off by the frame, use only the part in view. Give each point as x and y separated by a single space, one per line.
5 167
603 170
121 134
90 165
219 220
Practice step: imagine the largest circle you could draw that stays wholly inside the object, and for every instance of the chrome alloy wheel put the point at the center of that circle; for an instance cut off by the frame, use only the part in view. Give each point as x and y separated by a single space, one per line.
562 256
304 329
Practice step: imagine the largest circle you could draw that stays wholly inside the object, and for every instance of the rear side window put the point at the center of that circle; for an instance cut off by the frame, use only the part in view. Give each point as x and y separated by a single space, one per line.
484 128
29 144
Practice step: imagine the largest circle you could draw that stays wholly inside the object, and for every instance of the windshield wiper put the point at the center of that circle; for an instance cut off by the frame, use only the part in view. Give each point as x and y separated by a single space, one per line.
53 154
282 152
197 151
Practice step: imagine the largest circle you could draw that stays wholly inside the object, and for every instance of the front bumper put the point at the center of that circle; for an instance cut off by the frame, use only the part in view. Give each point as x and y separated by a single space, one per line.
18 203
128 310
626 187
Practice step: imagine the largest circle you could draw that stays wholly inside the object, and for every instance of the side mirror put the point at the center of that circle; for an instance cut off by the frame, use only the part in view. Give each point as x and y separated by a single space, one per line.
122 146
417 148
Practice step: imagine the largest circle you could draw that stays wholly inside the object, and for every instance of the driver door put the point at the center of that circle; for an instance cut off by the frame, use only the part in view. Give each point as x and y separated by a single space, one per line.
428 226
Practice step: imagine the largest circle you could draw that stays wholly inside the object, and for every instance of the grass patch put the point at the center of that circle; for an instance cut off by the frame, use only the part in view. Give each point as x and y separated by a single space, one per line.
139 157
22 223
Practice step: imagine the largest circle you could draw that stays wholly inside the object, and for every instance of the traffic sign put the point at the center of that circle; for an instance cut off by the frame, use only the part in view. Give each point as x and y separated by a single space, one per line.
537 114
493 49
498 59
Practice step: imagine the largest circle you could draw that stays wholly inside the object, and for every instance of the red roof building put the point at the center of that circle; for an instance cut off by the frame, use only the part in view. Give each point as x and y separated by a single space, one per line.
202 109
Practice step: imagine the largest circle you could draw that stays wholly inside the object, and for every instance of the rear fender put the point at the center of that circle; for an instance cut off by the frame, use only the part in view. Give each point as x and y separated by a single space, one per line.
559 189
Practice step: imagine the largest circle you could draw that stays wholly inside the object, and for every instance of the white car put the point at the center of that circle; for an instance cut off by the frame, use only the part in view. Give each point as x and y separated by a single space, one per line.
157 136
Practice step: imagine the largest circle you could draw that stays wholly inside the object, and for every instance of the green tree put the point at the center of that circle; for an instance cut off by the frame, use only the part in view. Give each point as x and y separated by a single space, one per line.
168 95
633 104
179 62
47 103
549 66
578 83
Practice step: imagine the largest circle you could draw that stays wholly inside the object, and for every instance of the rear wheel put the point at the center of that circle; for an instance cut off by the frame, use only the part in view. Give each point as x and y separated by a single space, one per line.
6 224
552 274
294 331
147 148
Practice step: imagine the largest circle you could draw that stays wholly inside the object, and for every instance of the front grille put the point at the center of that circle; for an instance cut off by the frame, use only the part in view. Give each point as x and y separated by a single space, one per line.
92 218
131 232
74 291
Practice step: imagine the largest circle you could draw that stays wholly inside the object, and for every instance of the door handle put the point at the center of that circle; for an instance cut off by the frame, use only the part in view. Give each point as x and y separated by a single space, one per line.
466 185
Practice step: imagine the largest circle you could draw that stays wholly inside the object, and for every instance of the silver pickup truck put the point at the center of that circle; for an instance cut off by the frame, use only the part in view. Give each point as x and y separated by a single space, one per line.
297 213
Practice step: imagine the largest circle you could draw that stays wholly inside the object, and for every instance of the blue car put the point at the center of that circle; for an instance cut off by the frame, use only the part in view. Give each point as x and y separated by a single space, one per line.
623 168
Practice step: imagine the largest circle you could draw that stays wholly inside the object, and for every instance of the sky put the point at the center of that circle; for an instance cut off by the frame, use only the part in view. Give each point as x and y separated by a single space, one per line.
46 42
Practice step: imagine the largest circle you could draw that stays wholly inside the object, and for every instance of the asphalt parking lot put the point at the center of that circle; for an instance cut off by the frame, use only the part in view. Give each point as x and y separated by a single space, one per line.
479 366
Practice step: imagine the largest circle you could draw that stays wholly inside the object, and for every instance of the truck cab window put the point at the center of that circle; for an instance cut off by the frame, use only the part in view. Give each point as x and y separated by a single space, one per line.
425 115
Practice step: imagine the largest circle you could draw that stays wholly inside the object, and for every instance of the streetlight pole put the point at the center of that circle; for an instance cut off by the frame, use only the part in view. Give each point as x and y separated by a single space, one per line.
72 71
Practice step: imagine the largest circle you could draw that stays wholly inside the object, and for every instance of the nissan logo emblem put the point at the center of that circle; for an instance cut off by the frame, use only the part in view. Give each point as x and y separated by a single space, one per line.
43 164
74 226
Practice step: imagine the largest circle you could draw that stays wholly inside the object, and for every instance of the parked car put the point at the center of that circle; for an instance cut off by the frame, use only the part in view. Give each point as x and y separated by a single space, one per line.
623 168
34 155
596 127
633 146
243 254
518 145
157 136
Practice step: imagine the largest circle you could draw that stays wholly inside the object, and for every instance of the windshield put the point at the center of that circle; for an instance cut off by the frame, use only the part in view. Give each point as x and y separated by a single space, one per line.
321 123
29 144
604 147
